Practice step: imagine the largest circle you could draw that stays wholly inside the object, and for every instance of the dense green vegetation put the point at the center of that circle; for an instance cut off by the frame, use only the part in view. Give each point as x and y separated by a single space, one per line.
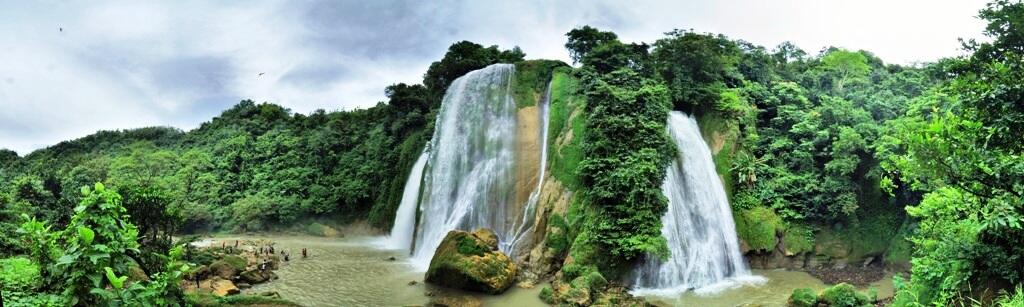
919 163
255 167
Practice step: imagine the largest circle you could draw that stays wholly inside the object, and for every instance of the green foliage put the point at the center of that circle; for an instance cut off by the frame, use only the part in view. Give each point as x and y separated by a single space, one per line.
547 295
625 153
566 129
960 145
843 295
803 297
584 39
210 300
697 68
463 57
558 234
467 245
531 81
83 259
1016 299
798 239
759 227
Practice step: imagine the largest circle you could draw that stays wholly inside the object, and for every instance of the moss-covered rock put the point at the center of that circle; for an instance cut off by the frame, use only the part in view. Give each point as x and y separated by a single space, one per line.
223 269
798 239
759 228
255 276
237 262
803 297
841 295
471 261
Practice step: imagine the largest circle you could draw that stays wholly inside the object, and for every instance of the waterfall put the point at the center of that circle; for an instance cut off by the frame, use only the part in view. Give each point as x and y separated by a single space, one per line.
405 217
698 224
471 179
525 226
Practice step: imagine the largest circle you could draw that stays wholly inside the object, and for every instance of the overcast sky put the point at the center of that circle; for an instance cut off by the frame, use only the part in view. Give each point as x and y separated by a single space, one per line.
178 63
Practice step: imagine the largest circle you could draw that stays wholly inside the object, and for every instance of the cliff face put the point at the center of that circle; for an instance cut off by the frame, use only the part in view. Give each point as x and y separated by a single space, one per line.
549 240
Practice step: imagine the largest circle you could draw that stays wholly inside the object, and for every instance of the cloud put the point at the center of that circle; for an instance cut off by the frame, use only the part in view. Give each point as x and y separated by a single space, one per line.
122 65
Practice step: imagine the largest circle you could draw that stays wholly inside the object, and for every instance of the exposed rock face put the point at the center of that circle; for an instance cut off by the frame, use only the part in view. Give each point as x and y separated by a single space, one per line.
255 276
471 261
527 152
221 287
223 269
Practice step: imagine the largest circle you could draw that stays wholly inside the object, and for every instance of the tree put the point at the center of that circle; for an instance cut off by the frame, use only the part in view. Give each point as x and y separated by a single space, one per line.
696 67
461 58
95 249
585 39
845 67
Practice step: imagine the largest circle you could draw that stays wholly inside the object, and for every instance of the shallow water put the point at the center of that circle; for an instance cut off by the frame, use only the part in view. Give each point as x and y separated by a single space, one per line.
357 272
773 292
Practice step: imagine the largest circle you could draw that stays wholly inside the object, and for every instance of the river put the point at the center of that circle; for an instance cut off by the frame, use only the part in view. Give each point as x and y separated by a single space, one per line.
357 271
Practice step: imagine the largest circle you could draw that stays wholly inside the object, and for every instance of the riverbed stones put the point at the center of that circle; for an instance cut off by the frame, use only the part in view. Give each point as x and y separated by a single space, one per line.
221 287
223 269
471 261
255 276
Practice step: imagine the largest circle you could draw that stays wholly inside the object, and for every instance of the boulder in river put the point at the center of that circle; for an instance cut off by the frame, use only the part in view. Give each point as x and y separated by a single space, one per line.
255 276
221 287
471 261
223 269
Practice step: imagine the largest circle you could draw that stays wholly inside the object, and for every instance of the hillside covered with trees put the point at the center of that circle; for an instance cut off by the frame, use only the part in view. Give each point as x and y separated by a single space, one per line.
829 156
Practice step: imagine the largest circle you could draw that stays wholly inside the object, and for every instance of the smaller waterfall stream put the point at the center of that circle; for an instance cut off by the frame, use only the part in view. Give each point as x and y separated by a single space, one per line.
525 226
698 225
405 217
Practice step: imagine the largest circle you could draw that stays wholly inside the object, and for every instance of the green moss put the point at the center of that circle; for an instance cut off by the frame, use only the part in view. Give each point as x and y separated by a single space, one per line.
209 300
798 239
547 295
468 246
558 237
714 123
566 125
592 280
899 251
236 262
843 295
531 80
758 227
803 297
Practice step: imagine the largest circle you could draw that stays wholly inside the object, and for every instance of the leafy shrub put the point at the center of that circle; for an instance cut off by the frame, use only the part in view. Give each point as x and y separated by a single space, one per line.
558 235
843 295
803 297
547 295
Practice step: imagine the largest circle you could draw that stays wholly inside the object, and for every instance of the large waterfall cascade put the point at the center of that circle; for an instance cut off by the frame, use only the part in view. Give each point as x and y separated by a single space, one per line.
698 225
405 218
470 181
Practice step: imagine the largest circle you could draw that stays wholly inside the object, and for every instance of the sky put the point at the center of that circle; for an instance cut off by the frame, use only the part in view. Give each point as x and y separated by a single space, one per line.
71 68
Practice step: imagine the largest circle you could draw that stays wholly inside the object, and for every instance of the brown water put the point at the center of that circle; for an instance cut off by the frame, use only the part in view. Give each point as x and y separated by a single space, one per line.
774 291
355 272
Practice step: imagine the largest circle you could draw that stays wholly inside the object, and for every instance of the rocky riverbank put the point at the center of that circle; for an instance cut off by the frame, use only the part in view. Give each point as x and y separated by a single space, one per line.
226 267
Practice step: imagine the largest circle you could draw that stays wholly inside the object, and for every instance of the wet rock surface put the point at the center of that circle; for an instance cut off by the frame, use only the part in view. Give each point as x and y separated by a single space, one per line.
472 262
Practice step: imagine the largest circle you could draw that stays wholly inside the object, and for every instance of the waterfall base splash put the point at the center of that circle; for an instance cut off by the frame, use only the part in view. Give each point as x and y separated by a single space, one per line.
697 226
